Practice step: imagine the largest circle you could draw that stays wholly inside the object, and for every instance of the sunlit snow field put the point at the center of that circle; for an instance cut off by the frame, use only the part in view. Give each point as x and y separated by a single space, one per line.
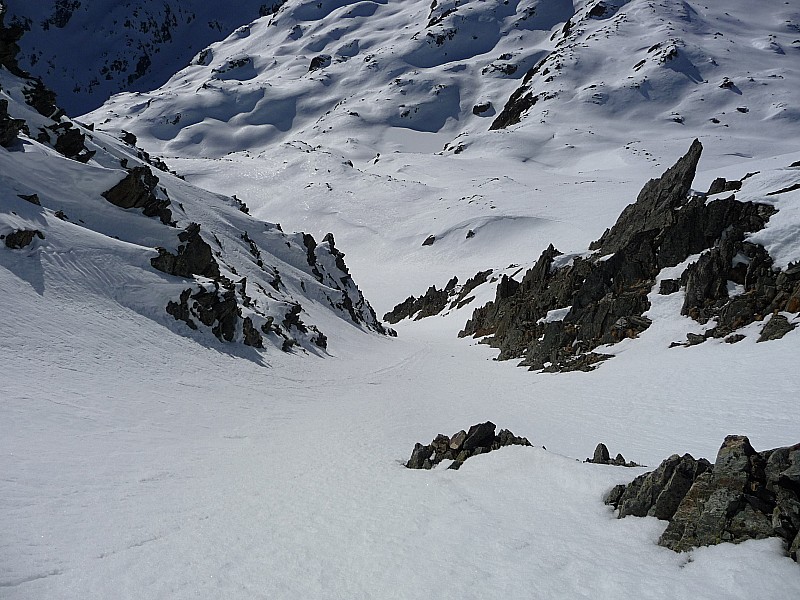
139 461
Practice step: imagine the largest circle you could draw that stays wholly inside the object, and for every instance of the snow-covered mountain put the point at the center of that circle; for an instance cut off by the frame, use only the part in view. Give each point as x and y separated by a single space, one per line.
383 70
86 211
86 50
146 459
405 92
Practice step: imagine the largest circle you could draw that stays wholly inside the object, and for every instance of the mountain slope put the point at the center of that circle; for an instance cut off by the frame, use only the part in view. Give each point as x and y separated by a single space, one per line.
87 50
84 212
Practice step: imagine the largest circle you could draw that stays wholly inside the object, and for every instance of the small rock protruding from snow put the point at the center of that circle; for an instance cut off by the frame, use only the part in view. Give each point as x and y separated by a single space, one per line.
480 439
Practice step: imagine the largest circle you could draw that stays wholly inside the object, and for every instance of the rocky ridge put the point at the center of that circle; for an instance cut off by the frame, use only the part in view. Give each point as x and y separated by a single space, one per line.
744 495
562 310
567 306
434 301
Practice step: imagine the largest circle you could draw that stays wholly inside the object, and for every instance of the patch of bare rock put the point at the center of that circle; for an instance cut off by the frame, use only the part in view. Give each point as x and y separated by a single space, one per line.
744 495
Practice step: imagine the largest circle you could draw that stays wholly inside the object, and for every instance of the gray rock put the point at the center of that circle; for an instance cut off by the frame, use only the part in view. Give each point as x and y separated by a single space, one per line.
658 493
420 456
457 441
777 327
601 456
478 440
746 495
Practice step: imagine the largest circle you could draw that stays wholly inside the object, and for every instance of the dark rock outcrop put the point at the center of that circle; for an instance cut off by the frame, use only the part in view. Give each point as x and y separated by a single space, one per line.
9 49
320 62
352 300
434 301
764 290
194 256
601 456
215 308
21 238
480 439
71 142
777 327
744 495
9 127
42 100
139 190
556 316
481 108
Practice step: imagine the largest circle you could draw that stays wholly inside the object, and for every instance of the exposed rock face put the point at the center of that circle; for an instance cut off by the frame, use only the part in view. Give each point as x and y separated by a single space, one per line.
557 315
139 190
9 49
21 238
71 142
744 495
215 308
320 62
42 100
338 277
9 127
777 327
479 439
434 301
194 256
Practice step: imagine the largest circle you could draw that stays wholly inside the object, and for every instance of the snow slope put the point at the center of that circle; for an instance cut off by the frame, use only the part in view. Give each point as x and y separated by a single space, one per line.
285 286
141 463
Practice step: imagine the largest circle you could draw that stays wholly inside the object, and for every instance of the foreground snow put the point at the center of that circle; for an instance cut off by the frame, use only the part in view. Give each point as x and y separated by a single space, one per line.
141 464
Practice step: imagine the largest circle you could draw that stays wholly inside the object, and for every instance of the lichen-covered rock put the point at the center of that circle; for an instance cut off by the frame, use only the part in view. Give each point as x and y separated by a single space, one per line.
777 327
744 495
658 493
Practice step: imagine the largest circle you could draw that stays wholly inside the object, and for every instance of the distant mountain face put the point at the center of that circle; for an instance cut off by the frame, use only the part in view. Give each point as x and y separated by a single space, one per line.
372 73
87 50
